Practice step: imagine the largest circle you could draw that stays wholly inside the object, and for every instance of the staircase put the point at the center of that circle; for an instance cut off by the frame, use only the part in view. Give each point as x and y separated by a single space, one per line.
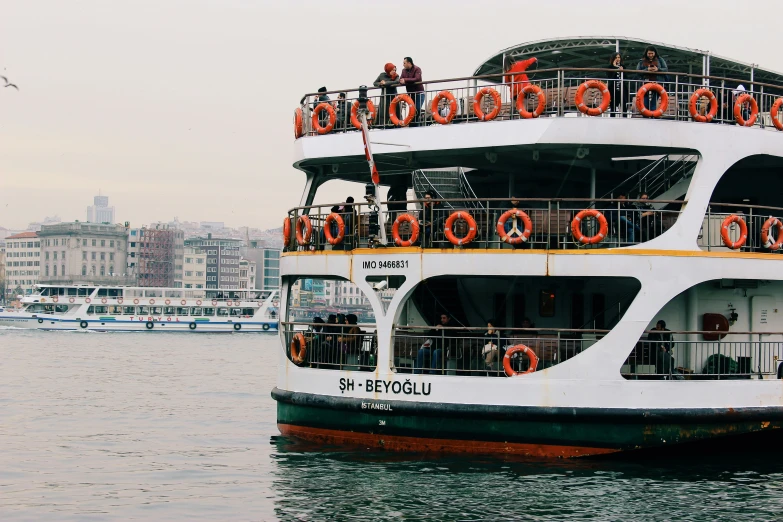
667 178
449 183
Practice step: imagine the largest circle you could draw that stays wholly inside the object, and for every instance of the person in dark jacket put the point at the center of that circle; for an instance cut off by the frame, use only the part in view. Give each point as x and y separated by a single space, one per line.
388 81
653 65
343 112
661 347
323 117
617 85
411 79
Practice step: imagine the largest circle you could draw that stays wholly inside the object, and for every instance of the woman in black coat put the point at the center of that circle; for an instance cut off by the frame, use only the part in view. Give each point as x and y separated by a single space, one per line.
617 88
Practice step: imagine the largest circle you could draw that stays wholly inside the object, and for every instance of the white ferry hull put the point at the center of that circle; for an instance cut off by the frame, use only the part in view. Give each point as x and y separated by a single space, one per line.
161 324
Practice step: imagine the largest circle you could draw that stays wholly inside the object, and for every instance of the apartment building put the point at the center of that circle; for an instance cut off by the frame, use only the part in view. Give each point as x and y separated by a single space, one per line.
22 262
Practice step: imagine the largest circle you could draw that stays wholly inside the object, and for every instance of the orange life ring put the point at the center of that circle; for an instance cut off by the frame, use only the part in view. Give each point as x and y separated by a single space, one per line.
576 227
472 228
700 93
120 300
443 120
298 349
522 106
71 300
414 230
183 302
135 301
724 231
517 349
298 124
491 115
355 114
323 106
168 302
521 235
773 114
303 238
754 110
198 302
286 231
229 303
766 227
152 301
642 92
86 300
214 302
393 110
55 299
340 228
104 300
606 98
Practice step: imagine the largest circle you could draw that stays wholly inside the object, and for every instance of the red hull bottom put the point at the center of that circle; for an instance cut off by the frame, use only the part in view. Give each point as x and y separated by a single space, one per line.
426 445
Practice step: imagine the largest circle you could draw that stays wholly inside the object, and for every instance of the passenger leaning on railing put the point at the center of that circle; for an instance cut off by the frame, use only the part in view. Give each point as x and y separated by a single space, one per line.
661 348
319 346
350 339
646 218
342 111
388 81
617 87
654 65
491 351
430 218
323 117
431 357
411 79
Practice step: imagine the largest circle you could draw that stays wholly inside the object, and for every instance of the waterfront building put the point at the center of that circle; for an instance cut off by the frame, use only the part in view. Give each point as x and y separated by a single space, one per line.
23 255
2 270
155 255
195 268
267 261
84 252
100 211
247 274
222 260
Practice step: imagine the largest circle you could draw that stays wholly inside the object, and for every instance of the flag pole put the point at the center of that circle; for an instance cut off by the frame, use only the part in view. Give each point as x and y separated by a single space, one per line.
375 200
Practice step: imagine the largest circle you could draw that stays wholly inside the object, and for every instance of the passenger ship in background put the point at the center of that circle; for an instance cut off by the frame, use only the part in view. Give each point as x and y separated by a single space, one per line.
131 309
529 229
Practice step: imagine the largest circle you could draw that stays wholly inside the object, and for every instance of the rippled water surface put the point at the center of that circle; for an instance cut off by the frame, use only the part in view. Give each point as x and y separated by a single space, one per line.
181 427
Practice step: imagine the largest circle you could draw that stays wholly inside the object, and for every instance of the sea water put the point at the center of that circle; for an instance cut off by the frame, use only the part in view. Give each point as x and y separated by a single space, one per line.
181 426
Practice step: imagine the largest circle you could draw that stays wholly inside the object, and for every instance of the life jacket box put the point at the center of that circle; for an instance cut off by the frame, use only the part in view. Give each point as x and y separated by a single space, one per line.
714 323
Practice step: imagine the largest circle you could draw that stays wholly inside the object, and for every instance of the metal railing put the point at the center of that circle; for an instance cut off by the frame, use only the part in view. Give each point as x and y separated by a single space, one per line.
474 352
672 355
754 217
559 86
628 222
332 346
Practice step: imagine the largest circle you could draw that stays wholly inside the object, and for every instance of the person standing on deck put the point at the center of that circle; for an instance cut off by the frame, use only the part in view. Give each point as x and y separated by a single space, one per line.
654 65
411 79
388 81
517 79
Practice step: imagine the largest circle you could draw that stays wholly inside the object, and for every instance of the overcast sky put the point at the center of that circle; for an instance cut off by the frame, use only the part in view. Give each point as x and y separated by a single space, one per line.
183 107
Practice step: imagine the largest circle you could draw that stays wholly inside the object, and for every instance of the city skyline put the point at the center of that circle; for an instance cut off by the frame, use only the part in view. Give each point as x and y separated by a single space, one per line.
166 132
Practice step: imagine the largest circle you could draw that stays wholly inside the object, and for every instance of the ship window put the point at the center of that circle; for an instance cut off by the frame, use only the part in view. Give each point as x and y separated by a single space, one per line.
143 310
195 311
156 310
61 309
235 312
222 312
48 308
248 312
115 310
546 303
182 311
129 310
102 292
91 310
101 309
209 312
169 310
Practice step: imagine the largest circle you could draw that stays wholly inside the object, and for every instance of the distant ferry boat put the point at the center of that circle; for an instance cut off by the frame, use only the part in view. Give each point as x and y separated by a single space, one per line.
122 308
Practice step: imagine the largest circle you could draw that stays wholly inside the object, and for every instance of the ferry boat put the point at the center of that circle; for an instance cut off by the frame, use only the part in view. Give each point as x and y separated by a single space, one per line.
131 309
619 229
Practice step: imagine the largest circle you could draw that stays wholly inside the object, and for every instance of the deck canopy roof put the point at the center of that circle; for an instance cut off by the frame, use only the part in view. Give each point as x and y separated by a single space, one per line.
587 51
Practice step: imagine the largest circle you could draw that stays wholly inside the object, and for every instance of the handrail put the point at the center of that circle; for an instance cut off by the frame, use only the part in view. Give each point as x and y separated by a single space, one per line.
633 72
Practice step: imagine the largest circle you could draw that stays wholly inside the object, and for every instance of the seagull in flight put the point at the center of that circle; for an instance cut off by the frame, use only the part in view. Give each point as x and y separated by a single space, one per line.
9 84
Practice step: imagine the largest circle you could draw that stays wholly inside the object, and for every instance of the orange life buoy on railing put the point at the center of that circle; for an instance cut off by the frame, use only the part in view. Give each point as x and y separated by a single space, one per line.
522 98
337 218
443 120
773 114
104 301
198 302
303 237
120 300
286 231
531 355
521 235
86 300
576 227
323 106
414 230
393 110
662 106
71 300
742 99
606 98
135 301
724 231
449 228
491 115
298 123
355 114
167 301
183 302
703 93
55 299
298 349
765 233
214 302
